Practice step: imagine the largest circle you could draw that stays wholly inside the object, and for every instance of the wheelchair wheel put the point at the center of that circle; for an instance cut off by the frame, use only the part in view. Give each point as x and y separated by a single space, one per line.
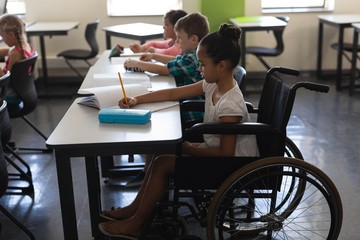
294 186
291 150
167 228
246 204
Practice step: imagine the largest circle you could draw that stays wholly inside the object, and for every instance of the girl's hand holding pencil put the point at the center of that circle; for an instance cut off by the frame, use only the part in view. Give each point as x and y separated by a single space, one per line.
127 102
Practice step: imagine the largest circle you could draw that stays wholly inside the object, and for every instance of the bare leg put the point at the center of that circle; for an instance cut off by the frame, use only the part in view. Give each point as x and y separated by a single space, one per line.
150 193
129 211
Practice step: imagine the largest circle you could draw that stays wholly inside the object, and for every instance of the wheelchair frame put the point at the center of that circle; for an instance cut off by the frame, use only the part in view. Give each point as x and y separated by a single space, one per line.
275 196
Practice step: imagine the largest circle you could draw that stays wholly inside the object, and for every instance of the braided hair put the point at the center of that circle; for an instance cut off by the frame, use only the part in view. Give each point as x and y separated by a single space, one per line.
12 23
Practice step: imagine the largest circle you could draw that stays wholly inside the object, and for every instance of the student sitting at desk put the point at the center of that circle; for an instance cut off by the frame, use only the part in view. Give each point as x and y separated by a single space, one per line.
219 54
13 34
189 31
169 45
184 68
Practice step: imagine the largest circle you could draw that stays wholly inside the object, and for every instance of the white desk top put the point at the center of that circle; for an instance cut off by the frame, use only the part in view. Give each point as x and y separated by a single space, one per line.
340 18
51 26
80 126
114 65
257 21
138 29
356 25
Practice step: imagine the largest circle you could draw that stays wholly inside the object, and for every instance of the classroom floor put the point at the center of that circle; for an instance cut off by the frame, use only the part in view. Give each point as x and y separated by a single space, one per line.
325 127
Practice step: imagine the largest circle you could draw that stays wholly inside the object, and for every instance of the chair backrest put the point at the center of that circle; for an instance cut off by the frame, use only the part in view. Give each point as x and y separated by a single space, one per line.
278 34
90 36
3 167
275 105
239 75
22 81
4 83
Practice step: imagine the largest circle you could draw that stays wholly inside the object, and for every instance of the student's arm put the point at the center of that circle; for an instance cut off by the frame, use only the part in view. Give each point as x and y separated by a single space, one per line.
227 143
4 52
148 66
15 57
170 94
157 57
136 48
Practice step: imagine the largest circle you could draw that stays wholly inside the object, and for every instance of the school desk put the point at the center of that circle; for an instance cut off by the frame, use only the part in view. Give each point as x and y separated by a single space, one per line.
136 31
42 29
356 27
79 134
255 23
340 21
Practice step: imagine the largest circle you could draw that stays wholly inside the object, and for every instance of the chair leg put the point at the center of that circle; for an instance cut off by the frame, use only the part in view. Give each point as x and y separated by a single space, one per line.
17 222
44 150
20 176
35 128
264 63
74 69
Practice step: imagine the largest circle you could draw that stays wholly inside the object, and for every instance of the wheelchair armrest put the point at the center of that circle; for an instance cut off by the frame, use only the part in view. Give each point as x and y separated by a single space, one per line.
193 105
250 107
233 128
199 105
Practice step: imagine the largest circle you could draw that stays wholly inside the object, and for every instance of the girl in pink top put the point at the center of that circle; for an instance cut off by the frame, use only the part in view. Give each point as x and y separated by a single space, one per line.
168 46
13 34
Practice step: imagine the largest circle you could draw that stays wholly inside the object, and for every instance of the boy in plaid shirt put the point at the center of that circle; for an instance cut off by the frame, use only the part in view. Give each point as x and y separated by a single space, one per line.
189 29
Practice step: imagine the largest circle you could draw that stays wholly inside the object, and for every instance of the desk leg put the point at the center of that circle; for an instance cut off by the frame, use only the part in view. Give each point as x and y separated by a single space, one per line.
320 48
108 41
43 59
353 63
94 193
339 58
66 192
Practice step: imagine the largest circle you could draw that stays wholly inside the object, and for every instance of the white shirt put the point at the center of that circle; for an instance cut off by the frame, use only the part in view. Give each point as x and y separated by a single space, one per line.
230 104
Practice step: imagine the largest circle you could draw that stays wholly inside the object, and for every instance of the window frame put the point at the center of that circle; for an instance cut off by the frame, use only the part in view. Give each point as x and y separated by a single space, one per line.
328 5
143 10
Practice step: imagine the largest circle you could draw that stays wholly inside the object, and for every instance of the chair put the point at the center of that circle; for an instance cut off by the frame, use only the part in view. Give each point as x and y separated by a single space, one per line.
261 52
11 156
83 54
4 83
347 52
4 173
243 196
22 82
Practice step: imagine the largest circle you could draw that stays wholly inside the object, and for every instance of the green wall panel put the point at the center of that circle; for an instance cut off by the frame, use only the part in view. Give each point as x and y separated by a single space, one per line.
219 11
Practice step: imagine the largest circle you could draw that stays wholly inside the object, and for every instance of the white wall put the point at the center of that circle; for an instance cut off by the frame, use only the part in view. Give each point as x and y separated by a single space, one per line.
300 35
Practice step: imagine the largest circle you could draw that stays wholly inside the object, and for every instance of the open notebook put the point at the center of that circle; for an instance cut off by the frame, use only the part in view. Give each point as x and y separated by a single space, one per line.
109 96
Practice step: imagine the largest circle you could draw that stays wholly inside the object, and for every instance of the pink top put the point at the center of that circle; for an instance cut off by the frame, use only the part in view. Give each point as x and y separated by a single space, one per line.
26 53
167 47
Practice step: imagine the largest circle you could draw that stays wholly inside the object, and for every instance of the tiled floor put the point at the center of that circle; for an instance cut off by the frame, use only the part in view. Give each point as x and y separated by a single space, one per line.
324 126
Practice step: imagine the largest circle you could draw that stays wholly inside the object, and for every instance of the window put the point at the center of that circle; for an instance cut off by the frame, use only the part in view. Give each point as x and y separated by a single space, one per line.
141 7
16 7
296 5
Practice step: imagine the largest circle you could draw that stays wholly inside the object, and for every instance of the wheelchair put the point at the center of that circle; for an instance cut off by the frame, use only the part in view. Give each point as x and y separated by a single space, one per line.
276 195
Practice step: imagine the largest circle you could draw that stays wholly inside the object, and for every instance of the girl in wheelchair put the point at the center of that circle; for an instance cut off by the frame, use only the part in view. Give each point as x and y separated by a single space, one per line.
218 54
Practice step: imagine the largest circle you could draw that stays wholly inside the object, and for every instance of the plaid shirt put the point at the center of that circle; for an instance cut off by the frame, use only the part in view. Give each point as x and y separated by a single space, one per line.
184 68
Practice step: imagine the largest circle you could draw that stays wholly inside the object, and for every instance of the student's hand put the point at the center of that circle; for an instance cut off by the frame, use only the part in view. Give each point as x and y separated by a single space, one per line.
135 48
146 57
130 102
150 50
130 63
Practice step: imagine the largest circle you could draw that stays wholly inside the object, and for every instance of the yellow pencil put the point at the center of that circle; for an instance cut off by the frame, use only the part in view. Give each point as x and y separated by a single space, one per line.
123 89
